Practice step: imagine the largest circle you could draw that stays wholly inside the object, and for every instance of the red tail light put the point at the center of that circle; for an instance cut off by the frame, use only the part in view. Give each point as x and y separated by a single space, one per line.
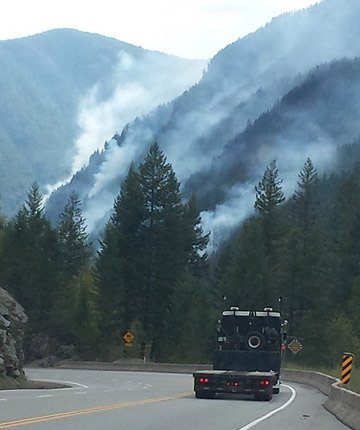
203 380
265 382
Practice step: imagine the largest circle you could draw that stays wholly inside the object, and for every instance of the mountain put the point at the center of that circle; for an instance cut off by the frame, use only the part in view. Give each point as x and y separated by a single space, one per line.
60 91
243 82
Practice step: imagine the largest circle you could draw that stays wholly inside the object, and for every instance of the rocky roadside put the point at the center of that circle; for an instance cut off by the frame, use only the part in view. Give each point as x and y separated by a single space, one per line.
12 321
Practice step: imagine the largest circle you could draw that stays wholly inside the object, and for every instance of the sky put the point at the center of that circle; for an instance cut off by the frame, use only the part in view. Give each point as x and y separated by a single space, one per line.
186 28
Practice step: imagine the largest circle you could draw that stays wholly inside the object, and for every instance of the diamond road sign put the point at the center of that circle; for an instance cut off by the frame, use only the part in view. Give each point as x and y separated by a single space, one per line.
129 338
295 346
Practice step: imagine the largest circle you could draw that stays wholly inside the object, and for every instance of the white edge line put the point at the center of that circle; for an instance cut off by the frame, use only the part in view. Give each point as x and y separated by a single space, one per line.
275 411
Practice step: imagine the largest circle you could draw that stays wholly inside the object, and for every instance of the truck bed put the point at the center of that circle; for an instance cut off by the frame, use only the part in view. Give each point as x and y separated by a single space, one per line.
260 384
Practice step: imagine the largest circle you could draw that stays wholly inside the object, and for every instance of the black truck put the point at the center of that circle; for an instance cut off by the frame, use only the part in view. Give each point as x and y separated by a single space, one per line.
248 355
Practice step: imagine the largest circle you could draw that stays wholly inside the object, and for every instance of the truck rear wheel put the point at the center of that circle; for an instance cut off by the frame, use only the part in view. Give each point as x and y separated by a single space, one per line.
276 390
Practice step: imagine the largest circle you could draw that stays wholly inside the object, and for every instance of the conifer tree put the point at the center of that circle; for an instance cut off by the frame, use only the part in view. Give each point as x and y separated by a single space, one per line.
269 196
247 272
163 242
196 239
127 221
73 238
74 259
30 255
306 246
110 283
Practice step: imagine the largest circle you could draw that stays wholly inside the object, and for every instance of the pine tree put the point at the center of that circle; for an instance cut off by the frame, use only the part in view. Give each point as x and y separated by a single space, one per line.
127 219
305 241
73 238
163 242
150 240
73 260
247 272
269 196
305 197
196 238
30 256
110 284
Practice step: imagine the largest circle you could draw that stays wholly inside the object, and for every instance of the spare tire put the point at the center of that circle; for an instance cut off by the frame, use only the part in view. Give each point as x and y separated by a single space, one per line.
255 341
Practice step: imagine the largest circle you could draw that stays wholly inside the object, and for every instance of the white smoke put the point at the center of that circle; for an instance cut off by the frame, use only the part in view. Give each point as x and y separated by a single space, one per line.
240 199
140 86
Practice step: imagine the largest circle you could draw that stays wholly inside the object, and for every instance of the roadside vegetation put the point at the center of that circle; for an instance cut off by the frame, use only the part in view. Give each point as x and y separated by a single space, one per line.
150 272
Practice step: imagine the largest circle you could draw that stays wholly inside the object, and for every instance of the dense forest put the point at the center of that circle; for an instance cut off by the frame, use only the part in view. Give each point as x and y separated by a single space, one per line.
151 274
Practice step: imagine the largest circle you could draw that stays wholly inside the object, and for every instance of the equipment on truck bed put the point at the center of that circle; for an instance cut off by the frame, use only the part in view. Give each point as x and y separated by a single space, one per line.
248 355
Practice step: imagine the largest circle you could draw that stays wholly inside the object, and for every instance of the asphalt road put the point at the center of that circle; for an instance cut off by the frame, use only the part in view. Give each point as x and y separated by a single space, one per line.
154 401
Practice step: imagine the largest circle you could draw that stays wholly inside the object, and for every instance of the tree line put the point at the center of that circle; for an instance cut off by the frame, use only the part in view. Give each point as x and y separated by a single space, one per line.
307 251
151 273
147 275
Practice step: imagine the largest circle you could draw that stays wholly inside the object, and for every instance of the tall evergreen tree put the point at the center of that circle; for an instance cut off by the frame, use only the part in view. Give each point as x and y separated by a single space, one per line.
305 240
74 259
30 256
247 280
269 197
127 219
73 238
110 282
196 239
163 242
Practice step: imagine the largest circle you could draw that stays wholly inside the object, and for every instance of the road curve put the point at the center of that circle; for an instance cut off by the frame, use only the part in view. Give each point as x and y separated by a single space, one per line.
154 401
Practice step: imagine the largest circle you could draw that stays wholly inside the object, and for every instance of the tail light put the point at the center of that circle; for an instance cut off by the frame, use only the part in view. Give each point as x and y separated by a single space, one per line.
233 384
203 380
265 382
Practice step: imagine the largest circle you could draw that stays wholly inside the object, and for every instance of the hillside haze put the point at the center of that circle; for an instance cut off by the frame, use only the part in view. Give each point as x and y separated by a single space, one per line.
197 130
60 91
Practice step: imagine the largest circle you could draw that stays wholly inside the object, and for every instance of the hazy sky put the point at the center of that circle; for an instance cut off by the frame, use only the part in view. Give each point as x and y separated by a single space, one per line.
187 28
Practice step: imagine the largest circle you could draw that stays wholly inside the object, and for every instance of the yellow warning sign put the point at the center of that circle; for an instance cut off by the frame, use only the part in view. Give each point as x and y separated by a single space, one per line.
346 367
128 337
295 346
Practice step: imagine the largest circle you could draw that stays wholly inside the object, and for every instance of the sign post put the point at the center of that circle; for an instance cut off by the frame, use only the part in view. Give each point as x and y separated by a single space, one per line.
346 367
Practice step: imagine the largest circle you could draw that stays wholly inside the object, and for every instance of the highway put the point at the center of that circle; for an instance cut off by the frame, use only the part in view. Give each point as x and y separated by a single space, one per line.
154 401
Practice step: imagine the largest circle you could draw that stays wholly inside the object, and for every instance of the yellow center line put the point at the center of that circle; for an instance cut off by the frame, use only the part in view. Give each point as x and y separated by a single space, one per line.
104 408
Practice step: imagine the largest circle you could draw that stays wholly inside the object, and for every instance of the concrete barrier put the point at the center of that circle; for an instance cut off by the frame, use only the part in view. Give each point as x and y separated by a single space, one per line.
317 380
342 403
345 405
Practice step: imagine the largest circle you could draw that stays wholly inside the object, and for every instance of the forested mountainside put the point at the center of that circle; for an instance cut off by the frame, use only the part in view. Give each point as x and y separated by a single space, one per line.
243 81
57 86
151 274
313 119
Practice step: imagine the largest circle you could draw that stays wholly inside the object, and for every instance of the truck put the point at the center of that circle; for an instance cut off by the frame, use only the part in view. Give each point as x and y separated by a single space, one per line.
247 359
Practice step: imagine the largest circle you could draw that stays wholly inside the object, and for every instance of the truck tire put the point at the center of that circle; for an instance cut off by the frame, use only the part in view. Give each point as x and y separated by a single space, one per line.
255 341
276 390
205 394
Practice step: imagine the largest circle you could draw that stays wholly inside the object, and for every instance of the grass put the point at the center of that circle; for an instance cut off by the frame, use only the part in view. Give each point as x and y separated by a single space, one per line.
354 384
